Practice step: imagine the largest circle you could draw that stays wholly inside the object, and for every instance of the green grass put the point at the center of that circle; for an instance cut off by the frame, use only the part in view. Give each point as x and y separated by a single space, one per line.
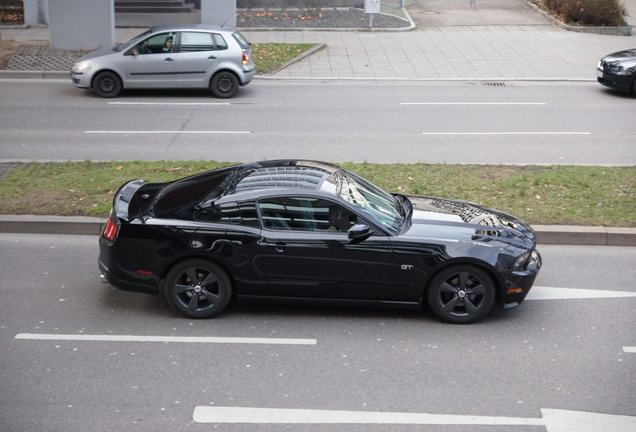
568 195
271 56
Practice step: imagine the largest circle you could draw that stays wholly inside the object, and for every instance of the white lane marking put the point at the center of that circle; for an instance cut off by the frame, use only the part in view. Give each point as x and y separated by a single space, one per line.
473 103
163 132
506 133
170 103
212 414
579 421
630 350
182 339
553 420
552 293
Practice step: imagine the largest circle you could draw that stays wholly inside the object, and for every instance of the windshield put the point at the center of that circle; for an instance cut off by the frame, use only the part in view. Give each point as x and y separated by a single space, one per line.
132 41
374 202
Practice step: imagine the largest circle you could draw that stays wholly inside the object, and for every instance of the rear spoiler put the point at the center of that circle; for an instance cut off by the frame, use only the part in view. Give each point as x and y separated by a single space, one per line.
123 198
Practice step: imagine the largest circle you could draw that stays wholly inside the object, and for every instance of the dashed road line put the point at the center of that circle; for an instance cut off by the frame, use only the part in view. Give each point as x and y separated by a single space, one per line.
149 132
505 133
630 350
172 103
165 339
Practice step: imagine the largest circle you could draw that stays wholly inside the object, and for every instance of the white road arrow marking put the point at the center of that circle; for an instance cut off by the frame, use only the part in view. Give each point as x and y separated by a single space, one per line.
552 293
553 420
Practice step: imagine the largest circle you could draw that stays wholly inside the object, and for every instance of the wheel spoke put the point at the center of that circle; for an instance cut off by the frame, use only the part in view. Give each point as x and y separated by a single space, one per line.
212 298
194 302
450 306
477 290
210 279
470 307
464 280
448 288
192 275
181 288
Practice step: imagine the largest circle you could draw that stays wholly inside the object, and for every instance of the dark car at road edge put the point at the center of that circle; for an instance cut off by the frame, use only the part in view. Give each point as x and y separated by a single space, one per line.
310 232
618 71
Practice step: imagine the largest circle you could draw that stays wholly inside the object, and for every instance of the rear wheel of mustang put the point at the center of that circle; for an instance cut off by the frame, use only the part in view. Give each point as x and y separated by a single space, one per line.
107 84
198 288
461 294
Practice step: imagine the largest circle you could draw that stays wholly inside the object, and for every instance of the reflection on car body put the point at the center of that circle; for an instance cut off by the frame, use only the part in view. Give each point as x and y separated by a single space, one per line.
292 230
194 56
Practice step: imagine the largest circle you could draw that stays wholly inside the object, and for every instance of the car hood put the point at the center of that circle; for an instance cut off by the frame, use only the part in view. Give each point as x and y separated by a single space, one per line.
621 55
98 53
448 219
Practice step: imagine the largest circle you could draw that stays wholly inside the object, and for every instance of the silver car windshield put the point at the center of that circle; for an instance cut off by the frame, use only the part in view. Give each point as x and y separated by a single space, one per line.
377 204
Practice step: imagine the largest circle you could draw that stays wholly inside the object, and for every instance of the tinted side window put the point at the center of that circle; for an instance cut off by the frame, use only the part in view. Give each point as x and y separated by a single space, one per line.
304 214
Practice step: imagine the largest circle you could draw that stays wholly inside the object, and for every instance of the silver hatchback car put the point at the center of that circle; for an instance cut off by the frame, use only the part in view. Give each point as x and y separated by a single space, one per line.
192 56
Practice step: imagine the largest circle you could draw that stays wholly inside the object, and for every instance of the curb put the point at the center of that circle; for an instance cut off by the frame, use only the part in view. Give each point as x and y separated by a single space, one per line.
546 234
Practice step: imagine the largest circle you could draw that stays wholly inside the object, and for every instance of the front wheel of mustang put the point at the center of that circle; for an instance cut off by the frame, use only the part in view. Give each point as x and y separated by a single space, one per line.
198 288
461 294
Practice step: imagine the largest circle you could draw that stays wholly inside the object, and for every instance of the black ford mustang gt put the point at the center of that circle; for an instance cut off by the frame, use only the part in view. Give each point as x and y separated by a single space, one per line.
293 230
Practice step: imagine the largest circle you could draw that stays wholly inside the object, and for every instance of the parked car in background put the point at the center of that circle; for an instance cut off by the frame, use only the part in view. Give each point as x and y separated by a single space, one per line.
312 232
618 71
192 56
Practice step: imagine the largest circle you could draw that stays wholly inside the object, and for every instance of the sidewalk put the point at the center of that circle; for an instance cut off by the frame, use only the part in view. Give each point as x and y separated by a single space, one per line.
455 43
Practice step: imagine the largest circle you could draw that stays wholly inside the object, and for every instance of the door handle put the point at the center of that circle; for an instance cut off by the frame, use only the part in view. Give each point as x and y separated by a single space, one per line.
168 59
212 57
278 246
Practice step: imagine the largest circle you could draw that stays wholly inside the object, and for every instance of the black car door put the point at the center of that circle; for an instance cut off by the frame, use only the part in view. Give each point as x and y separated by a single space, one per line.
306 251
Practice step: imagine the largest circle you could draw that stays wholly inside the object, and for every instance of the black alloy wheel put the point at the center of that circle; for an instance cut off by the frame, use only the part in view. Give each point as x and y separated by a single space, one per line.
224 84
461 294
107 84
198 288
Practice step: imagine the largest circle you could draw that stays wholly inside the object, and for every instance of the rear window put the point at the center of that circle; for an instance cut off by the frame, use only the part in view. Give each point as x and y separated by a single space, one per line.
241 40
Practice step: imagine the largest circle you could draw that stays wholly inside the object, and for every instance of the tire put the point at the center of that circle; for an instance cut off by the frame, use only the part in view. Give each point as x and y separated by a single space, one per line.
461 294
198 289
224 85
634 87
107 84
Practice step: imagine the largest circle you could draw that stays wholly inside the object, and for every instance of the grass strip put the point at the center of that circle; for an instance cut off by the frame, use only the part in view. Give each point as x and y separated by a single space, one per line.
271 56
565 195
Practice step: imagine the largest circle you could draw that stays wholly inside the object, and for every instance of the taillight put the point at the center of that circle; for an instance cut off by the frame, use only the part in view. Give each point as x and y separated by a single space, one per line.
110 230
246 58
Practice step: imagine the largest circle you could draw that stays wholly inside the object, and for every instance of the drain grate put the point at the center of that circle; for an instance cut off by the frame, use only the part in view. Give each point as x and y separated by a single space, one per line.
493 84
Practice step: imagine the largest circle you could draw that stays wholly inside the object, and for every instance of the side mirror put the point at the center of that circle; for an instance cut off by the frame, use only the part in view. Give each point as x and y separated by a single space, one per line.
359 232
132 52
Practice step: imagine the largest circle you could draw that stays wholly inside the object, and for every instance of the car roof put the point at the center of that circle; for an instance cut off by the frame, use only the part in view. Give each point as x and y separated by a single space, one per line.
185 27
248 181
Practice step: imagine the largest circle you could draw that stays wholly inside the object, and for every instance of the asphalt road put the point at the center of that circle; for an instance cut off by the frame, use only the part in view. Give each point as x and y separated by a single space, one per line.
398 121
550 354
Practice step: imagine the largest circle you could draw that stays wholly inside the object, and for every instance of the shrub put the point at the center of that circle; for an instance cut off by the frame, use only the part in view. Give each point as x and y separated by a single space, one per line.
588 12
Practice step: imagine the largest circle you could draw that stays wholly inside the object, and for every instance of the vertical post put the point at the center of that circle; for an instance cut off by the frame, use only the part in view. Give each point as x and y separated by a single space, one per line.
371 7
219 12
36 12
82 24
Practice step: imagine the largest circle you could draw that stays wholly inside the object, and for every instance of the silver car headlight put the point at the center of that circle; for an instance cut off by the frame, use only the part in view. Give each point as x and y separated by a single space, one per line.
80 66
